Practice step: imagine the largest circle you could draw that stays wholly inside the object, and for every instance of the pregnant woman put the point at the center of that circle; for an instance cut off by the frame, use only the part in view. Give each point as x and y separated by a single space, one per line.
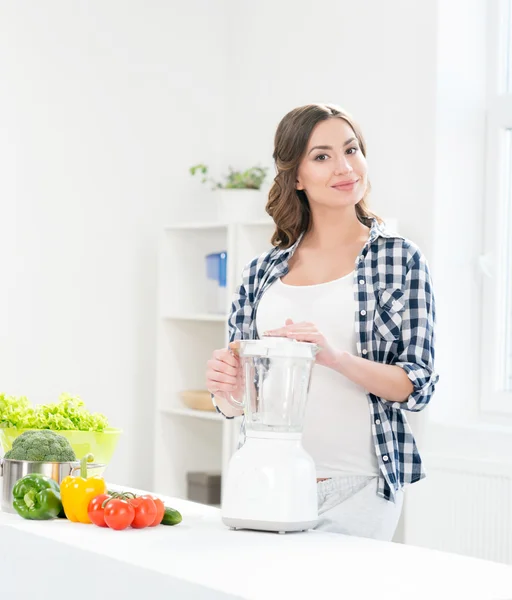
337 277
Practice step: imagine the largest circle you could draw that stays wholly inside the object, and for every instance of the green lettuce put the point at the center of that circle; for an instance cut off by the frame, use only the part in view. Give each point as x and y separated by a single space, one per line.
68 413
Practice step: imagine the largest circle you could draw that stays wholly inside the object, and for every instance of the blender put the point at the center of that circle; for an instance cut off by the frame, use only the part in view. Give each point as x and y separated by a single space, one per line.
271 480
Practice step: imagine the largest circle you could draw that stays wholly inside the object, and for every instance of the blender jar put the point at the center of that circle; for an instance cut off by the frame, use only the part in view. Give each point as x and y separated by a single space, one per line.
276 373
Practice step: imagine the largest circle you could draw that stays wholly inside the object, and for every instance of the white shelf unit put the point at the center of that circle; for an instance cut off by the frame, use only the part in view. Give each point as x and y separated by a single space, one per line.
188 440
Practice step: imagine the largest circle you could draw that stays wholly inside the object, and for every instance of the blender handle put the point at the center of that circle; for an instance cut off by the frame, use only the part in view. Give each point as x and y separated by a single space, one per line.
234 349
234 403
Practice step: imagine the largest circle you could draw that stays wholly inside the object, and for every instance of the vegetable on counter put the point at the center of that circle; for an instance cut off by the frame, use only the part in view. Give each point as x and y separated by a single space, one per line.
119 510
43 445
77 492
171 517
37 497
145 511
160 509
119 513
111 510
68 414
96 510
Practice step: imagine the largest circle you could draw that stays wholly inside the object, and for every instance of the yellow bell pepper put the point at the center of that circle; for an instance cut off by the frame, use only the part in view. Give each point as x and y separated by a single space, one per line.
77 492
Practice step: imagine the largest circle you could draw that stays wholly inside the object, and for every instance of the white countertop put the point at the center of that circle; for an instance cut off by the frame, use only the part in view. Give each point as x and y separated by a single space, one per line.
201 558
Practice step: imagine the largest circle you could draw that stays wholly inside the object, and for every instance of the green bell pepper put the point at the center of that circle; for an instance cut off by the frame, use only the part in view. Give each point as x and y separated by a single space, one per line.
37 497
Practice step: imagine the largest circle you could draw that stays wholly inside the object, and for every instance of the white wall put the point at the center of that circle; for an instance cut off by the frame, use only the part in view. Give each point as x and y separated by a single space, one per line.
103 107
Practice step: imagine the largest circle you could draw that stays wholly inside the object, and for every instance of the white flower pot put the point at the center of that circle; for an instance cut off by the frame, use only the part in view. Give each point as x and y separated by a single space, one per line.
239 205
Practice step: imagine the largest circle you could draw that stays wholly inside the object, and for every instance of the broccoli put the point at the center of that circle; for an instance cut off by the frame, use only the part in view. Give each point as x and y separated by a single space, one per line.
41 445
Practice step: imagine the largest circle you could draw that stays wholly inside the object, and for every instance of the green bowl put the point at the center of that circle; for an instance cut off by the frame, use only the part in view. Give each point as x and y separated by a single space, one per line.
101 444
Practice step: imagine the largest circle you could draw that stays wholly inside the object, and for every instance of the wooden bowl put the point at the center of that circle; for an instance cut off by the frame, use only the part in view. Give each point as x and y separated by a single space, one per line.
197 399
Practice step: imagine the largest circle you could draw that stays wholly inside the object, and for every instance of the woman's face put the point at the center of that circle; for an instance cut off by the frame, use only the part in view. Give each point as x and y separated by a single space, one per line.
333 172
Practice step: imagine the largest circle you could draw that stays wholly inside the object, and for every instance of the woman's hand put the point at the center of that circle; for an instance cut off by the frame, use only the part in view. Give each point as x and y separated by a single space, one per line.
223 374
308 332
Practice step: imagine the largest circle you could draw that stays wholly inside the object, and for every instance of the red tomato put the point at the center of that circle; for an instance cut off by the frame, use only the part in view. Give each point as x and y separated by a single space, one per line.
119 514
160 509
145 511
95 510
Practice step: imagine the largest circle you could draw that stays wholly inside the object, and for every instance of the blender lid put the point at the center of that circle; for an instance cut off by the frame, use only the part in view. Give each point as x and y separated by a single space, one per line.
278 347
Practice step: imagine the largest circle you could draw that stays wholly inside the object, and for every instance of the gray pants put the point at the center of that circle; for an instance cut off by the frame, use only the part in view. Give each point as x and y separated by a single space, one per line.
349 504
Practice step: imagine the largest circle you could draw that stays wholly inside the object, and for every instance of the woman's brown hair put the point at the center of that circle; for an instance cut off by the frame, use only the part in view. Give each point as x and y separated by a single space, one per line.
289 207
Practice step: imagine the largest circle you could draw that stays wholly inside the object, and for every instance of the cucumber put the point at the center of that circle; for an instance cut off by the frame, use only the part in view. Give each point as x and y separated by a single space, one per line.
171 517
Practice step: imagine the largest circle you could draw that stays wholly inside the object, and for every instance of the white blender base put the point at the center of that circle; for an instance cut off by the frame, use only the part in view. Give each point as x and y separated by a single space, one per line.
269 525
271 485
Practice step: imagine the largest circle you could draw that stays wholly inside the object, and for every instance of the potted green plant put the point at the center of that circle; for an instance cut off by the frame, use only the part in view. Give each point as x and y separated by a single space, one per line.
239 193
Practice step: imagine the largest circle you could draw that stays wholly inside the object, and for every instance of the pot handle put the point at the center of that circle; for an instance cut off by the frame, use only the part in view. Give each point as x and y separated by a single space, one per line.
91 466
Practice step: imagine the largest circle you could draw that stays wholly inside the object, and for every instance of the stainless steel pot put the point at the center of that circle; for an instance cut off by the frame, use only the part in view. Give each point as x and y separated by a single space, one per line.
12 471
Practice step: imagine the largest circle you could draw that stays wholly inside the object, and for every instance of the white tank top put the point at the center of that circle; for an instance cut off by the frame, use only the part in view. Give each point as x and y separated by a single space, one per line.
337 426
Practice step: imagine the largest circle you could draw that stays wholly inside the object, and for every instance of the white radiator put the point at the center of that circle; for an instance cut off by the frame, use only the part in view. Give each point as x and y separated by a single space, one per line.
462 506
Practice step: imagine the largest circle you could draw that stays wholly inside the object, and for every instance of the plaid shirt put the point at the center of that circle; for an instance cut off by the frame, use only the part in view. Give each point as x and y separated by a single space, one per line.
394 325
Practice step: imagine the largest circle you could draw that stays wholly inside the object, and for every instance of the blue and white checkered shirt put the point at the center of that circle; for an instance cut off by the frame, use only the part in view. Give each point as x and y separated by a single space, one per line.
394 325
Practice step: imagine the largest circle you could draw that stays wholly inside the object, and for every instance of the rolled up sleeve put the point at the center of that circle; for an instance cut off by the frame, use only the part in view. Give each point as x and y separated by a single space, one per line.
416 351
